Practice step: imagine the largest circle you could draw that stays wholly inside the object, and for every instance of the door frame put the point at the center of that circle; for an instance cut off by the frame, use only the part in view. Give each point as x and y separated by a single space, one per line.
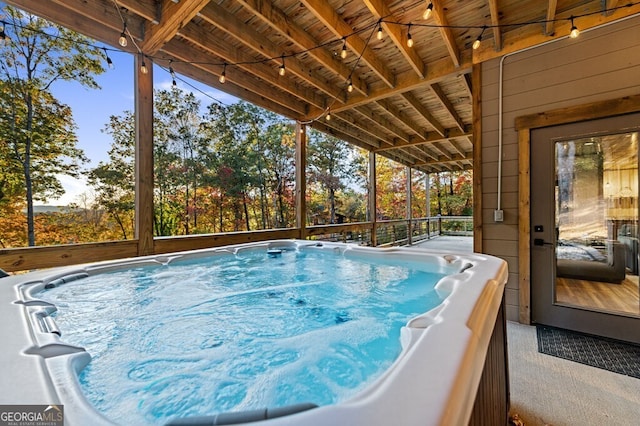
524 125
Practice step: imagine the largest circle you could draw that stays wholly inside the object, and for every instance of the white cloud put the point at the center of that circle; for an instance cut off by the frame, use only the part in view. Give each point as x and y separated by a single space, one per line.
73 188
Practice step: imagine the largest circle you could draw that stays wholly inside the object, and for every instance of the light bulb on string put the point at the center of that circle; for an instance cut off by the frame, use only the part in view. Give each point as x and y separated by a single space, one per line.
282 70
409 39
478 41
328 116
575 32
122 41
143 68
349 86
380 33
106 55
427 11
223 75
343 53
173 77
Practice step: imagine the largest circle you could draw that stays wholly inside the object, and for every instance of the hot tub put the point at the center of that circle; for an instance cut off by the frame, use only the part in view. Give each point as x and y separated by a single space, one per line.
432 382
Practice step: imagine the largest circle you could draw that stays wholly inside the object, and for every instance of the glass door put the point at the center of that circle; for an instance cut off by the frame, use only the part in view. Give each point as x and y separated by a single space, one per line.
596 216
584 227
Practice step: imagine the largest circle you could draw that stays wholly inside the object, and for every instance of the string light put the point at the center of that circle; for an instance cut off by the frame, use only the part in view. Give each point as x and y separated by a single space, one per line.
349 86
328 116
427 11
223 75
106 55
122 41
173 75
282 71
343 53
575 32
476 44
380 33
143 68
409 39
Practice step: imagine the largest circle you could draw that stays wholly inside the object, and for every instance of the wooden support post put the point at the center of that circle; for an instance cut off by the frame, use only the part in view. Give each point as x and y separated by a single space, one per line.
372 199
476 101
427 185
301 179
143 88
409 209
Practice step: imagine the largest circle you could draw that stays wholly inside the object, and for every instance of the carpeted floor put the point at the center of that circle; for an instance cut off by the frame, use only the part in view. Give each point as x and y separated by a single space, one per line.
547 390
611 355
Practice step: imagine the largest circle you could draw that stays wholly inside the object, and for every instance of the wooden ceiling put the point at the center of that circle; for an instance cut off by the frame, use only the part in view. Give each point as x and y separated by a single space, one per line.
410 104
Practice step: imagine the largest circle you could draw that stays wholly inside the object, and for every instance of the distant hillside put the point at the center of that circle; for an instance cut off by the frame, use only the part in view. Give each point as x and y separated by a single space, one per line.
49 209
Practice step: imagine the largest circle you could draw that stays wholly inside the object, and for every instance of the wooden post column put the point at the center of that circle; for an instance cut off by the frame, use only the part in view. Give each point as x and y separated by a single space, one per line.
301 179
143 88
373 208
409 209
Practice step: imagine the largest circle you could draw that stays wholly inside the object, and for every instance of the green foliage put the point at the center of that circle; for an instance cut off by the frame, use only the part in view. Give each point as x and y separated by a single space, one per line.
39 130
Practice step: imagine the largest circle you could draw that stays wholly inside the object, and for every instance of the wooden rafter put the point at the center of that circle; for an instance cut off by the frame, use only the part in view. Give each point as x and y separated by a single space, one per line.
380 10
447 35
173 17
549 26
225 21
334 23
447 105
495 23
278 21
430 138
424 112
398 115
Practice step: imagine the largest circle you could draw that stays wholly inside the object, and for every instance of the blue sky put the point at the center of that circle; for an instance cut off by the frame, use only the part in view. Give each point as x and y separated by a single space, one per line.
92 109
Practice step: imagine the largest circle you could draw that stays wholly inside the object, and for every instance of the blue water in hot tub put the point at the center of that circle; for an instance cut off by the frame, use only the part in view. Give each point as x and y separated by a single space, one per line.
238 332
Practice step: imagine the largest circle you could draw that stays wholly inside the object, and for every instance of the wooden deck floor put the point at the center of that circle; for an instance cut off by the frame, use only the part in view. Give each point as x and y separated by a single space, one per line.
619 298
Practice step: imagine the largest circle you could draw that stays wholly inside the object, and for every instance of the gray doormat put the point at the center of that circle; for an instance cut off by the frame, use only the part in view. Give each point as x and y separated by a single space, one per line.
612 355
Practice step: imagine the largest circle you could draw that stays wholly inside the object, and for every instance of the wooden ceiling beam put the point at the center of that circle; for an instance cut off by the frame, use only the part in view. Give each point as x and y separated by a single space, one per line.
495 24
148 9
334 23
431 137
174 15
199 37
98 19
447 105
277 20
355 119
343 124
437 71
424 112
324 128
609 5
531 35
380 10
225 21
550 26
204 76
378 120
449 39
455 159
182 51
459 149
394 112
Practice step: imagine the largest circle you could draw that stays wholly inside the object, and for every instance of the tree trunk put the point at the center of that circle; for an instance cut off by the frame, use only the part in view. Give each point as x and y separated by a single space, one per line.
31 233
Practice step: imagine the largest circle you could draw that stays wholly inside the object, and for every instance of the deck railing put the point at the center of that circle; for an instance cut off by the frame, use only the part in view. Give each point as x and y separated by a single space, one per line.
381 233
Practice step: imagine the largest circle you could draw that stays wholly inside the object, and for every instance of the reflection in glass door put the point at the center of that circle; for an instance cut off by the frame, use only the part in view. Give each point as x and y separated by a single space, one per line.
596 223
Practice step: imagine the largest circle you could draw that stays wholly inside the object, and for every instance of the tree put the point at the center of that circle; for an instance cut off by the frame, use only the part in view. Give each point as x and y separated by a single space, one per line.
38 129
113 181
330 166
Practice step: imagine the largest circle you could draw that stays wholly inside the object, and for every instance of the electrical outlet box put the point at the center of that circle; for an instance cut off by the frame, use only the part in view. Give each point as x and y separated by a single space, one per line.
498 215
